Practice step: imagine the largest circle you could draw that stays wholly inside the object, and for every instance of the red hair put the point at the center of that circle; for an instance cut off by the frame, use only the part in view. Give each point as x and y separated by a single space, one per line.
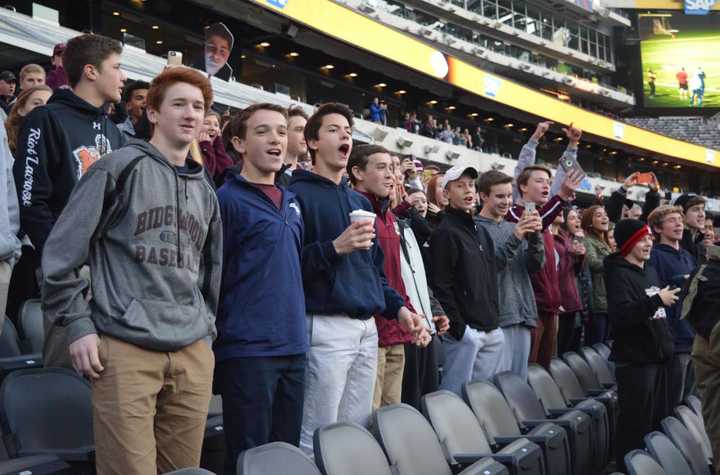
172 76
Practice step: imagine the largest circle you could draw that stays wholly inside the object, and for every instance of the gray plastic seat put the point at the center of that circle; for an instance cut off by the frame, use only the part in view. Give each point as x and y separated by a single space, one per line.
529 412
694 403
348 449
275 458
599 365
667 454
413 448
9 340
11 354
585 373
190 471
688 446
501 427
555 404
602 349
48 411
639 462
694 425
464 441
31 322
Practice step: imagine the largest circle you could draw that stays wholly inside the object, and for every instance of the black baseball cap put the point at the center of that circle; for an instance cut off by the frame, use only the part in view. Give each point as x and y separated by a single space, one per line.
8 76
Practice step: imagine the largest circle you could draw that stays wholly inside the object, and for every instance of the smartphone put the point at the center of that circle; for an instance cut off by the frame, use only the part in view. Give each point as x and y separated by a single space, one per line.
530 207
174 58
568 165
644 178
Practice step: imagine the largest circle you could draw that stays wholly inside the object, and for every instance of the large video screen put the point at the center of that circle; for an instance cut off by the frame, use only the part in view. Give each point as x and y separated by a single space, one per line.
680 59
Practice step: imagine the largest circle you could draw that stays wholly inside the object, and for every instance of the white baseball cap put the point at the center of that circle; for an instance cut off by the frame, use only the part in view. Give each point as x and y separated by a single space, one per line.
456 172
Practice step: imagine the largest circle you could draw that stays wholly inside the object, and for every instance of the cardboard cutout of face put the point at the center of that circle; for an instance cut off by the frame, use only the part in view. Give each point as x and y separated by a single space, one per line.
219 43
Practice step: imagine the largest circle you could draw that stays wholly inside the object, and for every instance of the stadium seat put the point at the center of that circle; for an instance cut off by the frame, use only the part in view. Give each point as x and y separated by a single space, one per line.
344 448
212 456
191 471
11 355
694 403
639 462
31 322
667 454
413 448
688 446
497 420
602 349
47 411
694 425
600 367
464 441
585 374
273 459
554 403
530 412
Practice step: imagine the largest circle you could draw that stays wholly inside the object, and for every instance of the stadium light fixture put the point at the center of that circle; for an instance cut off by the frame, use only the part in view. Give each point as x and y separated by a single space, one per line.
123 30
116 13
159 42
432 102
509 125
490 119
156 27
401 92
473 114
328 66
450 108
380 85
293 54
264 44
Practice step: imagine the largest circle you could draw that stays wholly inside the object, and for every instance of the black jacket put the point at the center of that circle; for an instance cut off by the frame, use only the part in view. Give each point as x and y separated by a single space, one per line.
464 273
225 73
694 246
701 306
57 144
636 313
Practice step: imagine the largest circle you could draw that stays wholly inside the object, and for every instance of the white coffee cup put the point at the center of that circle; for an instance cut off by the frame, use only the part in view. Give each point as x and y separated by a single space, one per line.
360 215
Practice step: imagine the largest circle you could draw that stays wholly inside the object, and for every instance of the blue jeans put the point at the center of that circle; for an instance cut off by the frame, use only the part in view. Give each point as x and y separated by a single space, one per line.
597 330
262 402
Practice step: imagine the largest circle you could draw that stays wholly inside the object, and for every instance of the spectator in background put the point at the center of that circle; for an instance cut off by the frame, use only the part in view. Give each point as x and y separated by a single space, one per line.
57 77
58 143
31 75
262 334
25 103
134 99
674 265
709 234
8 83
219 42
642 346
343 279
446 133
371 172
468 139
412 124
619 207
571 254
459 137
437 200
693 207
478 140
411 170
520 247
376 111
215 159
297 147
398 193
151 384
9 224
429 127
595 223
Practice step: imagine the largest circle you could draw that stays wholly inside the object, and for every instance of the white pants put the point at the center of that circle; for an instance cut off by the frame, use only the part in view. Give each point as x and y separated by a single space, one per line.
516 350
474 358
340 373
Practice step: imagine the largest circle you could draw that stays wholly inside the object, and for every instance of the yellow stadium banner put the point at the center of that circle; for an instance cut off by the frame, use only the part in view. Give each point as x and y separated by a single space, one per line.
355 29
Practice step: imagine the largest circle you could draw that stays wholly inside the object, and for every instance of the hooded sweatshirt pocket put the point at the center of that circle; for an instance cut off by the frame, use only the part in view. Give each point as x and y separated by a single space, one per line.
163 325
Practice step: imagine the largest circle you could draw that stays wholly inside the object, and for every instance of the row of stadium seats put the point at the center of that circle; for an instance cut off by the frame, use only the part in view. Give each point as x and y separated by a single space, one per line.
691 129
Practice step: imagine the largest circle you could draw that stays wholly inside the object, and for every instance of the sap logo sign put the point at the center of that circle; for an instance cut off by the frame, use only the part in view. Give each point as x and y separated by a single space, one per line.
698 7
278 3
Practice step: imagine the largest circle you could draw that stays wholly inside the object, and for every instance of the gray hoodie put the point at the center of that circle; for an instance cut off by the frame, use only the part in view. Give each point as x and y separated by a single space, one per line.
517 299
154 248
9 210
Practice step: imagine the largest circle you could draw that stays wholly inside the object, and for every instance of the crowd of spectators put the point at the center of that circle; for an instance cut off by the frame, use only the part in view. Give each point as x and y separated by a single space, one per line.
308 279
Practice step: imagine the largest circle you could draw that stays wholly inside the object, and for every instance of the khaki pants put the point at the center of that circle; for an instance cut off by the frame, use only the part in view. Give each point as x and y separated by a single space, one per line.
388 385
150 408
5 274
706 360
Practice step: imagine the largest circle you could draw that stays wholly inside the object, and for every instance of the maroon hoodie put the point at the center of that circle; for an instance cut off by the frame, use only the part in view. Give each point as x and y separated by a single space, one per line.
389 331
569 295
215 159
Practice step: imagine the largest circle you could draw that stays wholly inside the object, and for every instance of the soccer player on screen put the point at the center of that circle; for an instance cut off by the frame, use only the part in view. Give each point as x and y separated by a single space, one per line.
682 79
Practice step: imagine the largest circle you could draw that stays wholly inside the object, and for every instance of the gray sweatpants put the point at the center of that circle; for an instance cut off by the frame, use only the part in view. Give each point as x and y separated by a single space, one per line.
340 373
474 358
516 350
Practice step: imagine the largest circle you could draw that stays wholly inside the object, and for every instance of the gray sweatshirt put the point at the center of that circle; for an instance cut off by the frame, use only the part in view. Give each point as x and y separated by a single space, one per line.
9 210
154 248
517 299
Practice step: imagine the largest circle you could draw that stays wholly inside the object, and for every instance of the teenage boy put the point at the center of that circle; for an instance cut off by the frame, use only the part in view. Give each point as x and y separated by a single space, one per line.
533 185
673 265
31 75
57 77
148 223
693 207
701 307
464 278
134 99
296 145
643 345
60 141
523 250
260 354
343 279
371 173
